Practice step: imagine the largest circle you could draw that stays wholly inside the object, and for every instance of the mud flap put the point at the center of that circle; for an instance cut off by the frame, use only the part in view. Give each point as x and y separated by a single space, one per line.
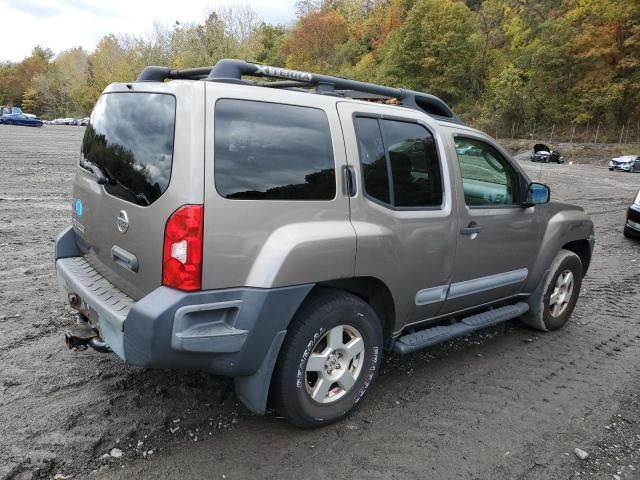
533 317
253 390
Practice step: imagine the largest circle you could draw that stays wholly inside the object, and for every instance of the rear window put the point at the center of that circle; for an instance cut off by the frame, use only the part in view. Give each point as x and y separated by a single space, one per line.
269 151
130 139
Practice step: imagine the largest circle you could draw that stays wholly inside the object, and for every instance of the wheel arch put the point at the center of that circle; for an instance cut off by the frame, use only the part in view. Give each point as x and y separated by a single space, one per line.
373 291
583 250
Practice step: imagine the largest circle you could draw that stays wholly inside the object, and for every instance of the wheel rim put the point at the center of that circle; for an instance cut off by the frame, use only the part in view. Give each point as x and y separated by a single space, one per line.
335 364
562 292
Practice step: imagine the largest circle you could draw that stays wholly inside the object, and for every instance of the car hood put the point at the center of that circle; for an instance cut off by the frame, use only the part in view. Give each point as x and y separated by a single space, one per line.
540 147
624 159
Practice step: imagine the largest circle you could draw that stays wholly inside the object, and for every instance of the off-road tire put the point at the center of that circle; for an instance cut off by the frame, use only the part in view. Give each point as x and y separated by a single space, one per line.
540 316
324 310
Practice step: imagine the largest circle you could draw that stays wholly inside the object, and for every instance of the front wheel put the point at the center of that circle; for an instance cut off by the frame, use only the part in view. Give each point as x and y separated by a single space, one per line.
329 358
560 293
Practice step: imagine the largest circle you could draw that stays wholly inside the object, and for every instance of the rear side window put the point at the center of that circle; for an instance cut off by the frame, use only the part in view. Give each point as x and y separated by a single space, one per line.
130 140
373 159
269 151
400 164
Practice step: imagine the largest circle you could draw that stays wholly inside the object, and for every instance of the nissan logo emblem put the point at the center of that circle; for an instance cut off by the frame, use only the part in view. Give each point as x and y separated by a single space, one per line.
122 221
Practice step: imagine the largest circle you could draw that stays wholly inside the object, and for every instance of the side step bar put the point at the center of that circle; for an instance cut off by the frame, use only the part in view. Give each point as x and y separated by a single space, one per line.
432 336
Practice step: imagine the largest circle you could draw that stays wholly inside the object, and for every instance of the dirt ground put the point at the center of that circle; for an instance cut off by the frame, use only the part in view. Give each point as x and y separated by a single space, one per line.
508 402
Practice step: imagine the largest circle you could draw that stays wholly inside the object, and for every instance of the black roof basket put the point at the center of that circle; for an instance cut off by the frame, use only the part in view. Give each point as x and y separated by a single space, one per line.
232 71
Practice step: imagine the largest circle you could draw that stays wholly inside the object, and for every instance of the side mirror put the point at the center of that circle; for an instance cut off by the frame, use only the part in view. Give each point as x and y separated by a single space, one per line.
537 193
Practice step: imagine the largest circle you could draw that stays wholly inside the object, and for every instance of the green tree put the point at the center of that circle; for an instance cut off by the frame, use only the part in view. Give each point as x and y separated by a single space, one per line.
29 100
432 50
267 44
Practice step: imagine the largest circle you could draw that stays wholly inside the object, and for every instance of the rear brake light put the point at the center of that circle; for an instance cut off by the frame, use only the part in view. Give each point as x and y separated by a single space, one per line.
182 254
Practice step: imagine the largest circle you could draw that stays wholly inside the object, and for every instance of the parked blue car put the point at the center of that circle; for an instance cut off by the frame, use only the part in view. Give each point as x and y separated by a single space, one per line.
15 116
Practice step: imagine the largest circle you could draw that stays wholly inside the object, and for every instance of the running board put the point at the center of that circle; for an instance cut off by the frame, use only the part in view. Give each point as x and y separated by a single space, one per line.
432 336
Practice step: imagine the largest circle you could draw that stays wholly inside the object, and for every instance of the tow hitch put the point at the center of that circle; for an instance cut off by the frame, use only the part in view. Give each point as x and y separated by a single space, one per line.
82 335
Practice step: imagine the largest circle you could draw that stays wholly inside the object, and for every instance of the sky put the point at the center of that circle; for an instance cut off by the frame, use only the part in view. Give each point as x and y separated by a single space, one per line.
62 24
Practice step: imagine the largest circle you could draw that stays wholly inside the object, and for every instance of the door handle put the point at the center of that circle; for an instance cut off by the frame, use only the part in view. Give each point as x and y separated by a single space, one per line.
125 259
472 229
349 181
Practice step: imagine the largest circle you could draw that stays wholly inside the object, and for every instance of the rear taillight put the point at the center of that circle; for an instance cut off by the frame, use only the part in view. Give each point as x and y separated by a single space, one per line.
182 254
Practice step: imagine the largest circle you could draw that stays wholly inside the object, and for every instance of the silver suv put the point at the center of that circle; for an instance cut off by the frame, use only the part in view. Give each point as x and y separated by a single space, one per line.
282 233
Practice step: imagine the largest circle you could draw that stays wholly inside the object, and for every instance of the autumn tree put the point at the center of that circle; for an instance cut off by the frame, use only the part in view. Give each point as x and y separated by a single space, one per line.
29 102
314 41
432 50
497 62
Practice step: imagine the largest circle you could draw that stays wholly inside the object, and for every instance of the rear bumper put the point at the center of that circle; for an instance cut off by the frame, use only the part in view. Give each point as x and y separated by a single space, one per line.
226 332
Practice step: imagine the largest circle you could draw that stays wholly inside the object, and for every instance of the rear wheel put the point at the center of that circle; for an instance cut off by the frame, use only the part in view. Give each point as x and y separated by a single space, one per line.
328 360
560 293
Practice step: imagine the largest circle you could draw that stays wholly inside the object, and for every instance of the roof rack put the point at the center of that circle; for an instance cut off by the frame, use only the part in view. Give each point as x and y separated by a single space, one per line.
232 71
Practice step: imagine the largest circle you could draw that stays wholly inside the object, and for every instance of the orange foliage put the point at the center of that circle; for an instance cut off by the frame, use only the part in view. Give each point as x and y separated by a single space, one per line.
312 43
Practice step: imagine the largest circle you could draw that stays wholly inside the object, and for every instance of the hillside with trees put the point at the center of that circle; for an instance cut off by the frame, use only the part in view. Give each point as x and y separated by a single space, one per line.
502 64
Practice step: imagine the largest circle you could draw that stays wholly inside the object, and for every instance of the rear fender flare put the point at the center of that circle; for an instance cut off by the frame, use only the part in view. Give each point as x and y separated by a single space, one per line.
305 252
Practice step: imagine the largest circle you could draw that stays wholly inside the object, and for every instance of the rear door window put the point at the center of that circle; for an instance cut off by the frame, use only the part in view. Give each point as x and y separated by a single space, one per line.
400 164
270 151
130 138
373 159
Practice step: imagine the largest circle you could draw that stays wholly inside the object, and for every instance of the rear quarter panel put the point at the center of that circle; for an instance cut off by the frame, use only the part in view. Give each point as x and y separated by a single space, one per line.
274 243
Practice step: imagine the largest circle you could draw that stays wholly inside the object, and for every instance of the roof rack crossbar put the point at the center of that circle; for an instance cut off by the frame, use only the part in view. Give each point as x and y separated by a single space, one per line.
160 74
232 71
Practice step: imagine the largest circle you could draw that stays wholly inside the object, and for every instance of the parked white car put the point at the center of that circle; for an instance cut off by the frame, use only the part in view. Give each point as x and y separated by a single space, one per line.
625 163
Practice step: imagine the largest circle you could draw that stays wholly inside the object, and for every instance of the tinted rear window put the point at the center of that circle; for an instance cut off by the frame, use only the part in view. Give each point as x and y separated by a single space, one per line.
271 151
130 139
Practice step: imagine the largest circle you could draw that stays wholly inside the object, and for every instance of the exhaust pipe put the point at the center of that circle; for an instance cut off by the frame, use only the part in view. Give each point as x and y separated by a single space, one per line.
82 335
99 345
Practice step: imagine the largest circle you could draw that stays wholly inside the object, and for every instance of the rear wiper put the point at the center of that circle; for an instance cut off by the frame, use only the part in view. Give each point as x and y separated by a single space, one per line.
142 197
100 177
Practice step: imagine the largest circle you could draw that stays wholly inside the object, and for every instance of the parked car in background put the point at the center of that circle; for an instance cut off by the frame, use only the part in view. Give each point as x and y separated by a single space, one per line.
15 116
625 163
542 153
632 224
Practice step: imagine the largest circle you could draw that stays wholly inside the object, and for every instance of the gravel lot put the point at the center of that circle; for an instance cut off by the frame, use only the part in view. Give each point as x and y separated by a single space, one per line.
506 403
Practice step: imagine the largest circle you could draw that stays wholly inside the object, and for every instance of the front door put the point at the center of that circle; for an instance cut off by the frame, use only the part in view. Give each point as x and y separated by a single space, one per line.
497 238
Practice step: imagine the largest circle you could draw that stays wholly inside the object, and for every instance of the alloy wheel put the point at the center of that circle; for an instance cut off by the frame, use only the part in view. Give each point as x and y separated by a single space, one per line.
562 292
335 364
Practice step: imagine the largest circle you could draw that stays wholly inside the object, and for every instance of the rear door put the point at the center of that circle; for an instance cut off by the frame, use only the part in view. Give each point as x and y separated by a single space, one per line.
403 209
147 141
497 239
